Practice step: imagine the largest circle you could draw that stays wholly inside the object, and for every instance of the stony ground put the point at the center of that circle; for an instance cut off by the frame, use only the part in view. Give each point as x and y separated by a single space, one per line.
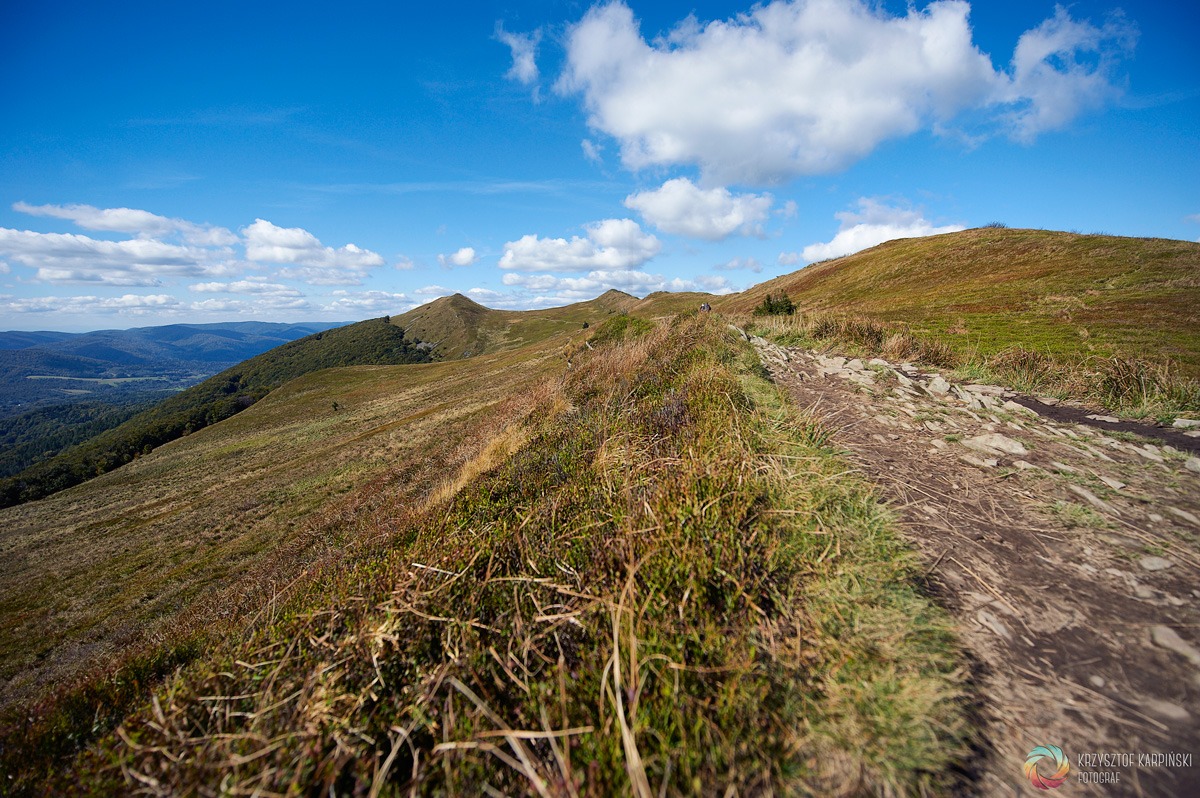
1067 545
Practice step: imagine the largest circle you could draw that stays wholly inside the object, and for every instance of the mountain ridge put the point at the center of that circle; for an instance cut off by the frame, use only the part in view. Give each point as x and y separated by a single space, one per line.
987 289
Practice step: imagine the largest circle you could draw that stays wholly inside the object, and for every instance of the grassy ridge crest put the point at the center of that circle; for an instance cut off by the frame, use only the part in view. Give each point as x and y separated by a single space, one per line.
982 291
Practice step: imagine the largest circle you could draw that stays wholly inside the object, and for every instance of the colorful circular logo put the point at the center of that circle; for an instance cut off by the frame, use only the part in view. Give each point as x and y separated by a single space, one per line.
1062 766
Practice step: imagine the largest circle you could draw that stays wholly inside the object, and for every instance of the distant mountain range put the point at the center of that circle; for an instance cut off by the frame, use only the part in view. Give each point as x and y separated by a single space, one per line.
58 389
225 342
44 367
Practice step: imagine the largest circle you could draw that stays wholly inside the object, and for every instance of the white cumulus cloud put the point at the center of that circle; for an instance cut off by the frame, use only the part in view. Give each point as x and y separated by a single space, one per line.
259 307
872 224
309 260
370 302
463 257
679 206
612 244
127 304
75 258
798 87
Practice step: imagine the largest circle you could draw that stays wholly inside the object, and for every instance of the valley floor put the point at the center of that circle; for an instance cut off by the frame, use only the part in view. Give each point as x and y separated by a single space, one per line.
1067 552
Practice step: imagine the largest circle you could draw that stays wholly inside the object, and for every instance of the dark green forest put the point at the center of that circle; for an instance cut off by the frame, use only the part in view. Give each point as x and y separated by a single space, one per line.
46 431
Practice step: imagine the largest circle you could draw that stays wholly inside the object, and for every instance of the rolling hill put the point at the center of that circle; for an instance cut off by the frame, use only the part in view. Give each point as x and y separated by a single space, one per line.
40 368
459 327
222 342
59 389
987 289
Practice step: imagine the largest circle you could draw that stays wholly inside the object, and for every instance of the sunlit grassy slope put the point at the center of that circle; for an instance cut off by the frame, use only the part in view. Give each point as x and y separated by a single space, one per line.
536 564
234 507
987 289
89 573
650 576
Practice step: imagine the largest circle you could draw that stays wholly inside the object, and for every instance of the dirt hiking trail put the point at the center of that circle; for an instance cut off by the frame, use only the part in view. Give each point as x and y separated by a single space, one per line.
1069 553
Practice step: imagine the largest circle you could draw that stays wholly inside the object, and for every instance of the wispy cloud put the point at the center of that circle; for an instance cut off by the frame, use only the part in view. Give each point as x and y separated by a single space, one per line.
132 221
524 54
482 187
224 117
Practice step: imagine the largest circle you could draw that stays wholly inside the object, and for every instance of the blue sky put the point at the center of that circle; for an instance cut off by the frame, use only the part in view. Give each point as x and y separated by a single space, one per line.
164 162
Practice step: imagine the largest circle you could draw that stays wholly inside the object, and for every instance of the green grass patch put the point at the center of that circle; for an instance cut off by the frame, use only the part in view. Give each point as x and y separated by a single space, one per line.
1076 515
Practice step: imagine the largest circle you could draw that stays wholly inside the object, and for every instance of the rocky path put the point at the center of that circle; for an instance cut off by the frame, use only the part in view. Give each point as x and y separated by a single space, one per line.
1070 553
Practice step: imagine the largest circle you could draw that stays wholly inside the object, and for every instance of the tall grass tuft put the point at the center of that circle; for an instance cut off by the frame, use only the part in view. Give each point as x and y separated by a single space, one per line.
1143 387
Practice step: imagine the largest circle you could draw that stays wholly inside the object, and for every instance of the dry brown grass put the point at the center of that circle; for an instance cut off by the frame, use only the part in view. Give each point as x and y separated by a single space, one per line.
1121 384
107 587
669 588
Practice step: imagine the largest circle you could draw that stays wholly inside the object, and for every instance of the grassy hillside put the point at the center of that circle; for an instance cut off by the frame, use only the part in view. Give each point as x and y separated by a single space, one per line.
644 574
221 396
171 548
983 290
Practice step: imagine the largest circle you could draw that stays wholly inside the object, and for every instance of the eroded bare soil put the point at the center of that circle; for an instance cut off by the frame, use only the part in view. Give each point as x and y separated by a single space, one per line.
1069 553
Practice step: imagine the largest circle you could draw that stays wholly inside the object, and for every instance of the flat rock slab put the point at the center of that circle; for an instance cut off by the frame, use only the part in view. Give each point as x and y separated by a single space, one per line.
1168 638
938 385
995 442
